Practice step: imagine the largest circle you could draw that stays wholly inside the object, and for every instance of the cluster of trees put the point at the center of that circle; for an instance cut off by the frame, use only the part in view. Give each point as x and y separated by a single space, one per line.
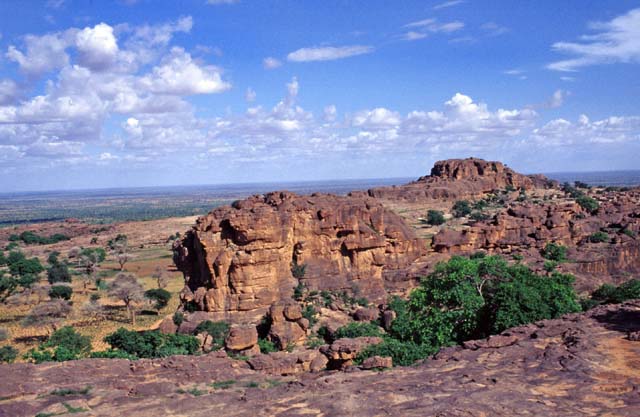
30 238
23 273
465 299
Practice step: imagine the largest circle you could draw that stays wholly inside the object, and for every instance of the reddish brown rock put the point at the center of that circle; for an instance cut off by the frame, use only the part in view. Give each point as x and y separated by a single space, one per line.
366 314
342 352
237 260
241 338
455 179
377 362
167 326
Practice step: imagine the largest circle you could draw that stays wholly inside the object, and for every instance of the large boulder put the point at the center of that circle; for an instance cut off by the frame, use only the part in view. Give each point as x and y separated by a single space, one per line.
241 338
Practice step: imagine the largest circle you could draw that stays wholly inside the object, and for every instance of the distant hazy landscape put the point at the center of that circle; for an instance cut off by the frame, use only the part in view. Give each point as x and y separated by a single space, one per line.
147 203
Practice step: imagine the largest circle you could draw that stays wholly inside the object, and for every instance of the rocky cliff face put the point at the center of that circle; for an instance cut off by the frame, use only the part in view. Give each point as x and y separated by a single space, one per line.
455 179
240 259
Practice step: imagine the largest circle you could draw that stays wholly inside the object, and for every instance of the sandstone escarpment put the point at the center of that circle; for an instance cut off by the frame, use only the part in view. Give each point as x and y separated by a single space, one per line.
461 178
238 259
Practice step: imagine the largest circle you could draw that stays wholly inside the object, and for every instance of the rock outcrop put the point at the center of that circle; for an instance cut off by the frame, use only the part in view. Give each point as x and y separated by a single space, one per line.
579 365
455 179
525 228
239 259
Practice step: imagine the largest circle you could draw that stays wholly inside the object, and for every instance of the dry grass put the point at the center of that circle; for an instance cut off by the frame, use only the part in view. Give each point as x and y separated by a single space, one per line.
148 250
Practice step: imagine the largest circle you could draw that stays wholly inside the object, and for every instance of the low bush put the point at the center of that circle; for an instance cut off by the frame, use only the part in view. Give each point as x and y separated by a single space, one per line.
267 346
402 353
61 291
152 344
461 208
588 204
358 329
610 294
555 252
472 298
65 344
8 354
435 217
599 237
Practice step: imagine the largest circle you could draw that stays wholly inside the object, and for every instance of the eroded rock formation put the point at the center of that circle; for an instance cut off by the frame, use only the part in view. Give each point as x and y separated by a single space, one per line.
238 260
455 179
526 228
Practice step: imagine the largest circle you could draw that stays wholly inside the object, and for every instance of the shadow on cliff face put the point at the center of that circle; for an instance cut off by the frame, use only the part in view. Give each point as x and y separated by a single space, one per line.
626 319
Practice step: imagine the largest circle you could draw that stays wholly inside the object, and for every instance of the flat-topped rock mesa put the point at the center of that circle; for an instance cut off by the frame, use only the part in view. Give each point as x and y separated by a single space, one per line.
239 259
454 179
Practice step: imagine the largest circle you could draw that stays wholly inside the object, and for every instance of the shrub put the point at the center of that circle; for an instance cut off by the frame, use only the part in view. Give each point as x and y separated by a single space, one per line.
8 354
608 293
64 344
549 266
599 237
470 298
402 353
267 346
58 272
309 312
461 208
528 297
160 296
298 271
555 252
478 216
217 330
112 354
298 291
358 329
630 233
152 344
588 204
7 286
178 318
61 291
68 338
53 257
435 217
3 259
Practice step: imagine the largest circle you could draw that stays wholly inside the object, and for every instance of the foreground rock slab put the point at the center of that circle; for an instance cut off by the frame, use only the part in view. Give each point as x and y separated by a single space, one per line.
580 365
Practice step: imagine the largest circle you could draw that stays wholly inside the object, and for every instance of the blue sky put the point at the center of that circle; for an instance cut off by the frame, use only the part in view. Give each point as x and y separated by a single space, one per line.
132 93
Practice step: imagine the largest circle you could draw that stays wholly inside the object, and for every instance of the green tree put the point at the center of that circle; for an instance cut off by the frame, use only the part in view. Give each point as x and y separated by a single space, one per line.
160 297
58 272
435 217
461 208
61 291
128 289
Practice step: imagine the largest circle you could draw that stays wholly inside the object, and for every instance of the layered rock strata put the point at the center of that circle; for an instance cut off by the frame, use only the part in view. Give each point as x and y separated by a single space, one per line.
240 259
